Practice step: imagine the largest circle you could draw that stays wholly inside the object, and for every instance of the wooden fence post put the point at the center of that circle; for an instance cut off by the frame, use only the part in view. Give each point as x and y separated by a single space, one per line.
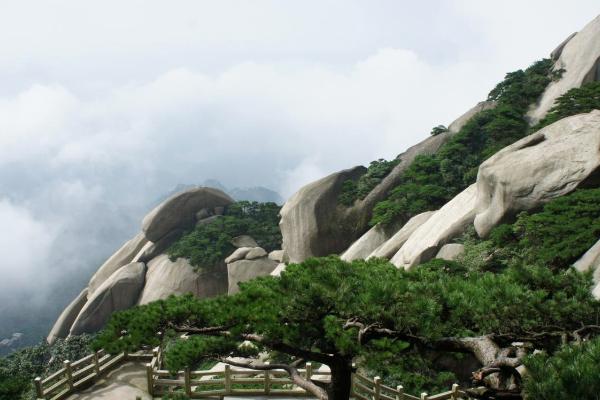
267 380
377 382
424 396
69 373
96 363
150 379
227 379
400 390
309 371
38 388
188 384
454 392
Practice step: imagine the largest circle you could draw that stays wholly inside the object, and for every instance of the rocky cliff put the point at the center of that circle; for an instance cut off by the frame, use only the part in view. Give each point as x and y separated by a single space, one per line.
521 176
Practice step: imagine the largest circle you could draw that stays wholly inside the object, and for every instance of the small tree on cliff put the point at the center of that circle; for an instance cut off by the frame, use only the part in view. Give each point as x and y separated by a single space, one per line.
332 312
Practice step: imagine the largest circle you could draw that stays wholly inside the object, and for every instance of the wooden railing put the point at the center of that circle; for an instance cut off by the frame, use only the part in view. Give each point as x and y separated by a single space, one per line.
246 382
74 376
230 381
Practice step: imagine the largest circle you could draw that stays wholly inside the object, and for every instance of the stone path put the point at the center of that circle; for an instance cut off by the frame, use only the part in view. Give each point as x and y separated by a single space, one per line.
123 383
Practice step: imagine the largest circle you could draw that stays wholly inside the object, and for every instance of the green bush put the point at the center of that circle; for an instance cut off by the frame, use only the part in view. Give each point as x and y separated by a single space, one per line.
573 372
556 236
208 244
359 189
431 180
576 101
18 369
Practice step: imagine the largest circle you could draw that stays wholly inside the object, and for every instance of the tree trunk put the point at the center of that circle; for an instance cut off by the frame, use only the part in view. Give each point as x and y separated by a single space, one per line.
341 380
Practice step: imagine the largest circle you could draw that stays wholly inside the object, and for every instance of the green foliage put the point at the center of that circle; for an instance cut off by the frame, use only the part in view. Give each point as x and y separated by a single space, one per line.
355 190
576 101
556 236
18 369
432 180
308 306
208 244
570 373
436 130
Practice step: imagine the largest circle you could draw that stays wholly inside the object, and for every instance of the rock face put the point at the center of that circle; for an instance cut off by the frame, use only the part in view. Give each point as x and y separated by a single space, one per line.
457 125
238 254
450 251
63 324
119 292
579 58
590 261
255 253
391 246
122 257
314 224
307 218
548 164
179 211
245 270
445 224
367 243
279 269
276 255
166 277
155 249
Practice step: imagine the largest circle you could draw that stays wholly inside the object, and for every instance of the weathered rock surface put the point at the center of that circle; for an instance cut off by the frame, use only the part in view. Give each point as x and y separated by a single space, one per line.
590 261
63 324
457 125
179 211
245 270
367 243
153 250
548 164
166 277
307 218
276 255
119 292
279 269
445 224
392 245
450 251
579 57
244 241
313 223
255 253
238 254
122 257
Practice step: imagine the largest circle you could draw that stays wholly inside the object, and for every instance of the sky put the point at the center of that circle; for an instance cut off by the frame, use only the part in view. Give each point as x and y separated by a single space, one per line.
105 106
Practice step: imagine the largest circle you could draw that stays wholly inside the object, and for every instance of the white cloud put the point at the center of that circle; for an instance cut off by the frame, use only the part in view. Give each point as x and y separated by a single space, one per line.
25 244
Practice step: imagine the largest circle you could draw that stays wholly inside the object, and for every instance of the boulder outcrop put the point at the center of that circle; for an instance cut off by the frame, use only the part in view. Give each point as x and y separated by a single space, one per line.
548 164
367 243
119 292
579 57
445 224
179 211
450 251
166 277
245 270
393 244
122 257
313 223
590 261
63 324
244 241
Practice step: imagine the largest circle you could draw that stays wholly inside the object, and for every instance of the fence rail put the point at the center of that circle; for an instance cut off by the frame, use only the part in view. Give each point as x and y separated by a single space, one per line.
74 376
230 381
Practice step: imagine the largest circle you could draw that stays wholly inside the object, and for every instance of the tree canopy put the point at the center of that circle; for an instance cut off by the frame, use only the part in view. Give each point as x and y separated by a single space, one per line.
209 243
397 323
